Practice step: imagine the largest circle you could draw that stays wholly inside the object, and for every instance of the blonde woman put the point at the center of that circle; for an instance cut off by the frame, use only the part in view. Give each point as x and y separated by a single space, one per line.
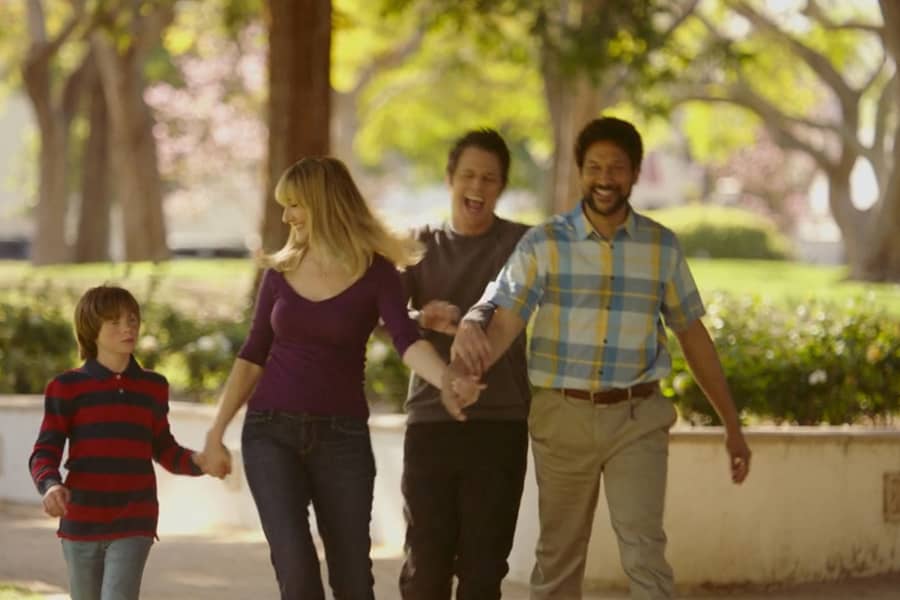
300 371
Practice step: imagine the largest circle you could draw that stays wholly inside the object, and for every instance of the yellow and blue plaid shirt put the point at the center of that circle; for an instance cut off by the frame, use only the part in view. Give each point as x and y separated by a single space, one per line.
601 303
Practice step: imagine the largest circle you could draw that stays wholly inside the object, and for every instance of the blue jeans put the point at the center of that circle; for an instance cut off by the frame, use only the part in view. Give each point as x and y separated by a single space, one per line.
292 460
107 569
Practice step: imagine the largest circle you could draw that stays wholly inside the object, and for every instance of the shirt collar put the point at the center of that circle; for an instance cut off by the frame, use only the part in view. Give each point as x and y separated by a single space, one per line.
96 370
584 229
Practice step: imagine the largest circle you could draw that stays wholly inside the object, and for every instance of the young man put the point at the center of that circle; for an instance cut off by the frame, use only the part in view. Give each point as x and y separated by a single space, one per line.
603 280
462 482
114 415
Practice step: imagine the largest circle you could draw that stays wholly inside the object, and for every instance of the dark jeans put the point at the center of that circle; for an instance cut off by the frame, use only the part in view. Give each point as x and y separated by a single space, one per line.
462 483
294 459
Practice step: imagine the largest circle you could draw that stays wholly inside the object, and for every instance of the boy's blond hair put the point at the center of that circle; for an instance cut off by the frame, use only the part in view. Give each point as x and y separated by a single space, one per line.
98 304
338 220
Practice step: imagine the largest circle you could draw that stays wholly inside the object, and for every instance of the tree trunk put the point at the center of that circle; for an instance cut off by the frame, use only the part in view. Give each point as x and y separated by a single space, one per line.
48 242
344 127
92 243
882 262
573 103
299 96
138 184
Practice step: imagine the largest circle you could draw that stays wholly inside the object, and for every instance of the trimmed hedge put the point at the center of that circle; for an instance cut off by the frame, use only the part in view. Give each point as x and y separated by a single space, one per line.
815 362
710 231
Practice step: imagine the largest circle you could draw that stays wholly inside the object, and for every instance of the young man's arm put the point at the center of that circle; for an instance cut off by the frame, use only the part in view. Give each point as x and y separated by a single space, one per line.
504 327
702 358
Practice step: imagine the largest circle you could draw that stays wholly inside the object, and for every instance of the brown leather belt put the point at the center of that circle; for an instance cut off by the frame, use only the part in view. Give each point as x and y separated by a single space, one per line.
615 394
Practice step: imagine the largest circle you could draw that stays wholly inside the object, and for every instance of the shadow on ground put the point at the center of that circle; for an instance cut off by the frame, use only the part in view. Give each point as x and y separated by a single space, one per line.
234 565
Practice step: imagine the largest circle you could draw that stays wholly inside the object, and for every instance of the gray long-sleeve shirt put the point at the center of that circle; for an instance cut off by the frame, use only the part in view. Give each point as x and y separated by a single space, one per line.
456 269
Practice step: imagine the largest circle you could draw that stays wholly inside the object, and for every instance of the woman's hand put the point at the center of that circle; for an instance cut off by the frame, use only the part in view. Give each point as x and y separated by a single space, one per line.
459 390
215 460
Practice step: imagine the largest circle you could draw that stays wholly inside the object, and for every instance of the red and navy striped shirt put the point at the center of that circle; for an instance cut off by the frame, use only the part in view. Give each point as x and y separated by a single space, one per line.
116 425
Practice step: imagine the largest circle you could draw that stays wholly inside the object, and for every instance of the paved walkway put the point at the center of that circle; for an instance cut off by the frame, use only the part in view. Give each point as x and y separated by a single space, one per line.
235 566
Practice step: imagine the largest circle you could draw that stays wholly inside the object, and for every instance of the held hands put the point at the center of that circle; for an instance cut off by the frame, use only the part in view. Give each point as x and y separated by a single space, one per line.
739 454
439 316
459 390
215 460
55 500
471 346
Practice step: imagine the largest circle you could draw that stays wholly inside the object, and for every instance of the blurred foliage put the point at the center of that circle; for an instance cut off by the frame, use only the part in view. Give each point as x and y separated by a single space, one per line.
193 349
807 363
720 232
817 362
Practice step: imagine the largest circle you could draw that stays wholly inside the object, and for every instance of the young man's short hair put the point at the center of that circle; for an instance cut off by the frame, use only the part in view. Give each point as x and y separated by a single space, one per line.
486 139
610 129
98 304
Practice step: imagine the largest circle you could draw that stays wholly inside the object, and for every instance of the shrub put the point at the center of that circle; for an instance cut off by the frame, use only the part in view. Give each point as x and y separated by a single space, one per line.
194 352
37 342
817 362
721 232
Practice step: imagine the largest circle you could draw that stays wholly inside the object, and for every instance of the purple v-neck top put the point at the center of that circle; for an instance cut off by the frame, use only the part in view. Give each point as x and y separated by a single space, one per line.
313 354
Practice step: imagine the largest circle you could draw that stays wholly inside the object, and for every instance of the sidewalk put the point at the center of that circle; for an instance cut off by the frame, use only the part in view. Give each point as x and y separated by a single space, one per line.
235 566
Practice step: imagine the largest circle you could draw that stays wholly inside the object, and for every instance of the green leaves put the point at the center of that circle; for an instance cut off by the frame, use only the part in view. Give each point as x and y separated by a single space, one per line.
810 363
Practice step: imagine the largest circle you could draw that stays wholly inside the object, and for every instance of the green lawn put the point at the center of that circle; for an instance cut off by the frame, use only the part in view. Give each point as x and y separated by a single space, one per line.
227 281
791 282
11 592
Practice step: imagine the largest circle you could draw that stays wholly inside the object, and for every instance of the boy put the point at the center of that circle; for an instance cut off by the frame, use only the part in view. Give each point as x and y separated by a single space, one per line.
114 415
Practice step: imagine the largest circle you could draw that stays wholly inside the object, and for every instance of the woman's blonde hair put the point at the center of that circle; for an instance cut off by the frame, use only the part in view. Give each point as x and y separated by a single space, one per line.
338 220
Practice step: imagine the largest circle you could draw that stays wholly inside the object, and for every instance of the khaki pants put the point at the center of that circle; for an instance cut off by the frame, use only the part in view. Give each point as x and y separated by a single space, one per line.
574 443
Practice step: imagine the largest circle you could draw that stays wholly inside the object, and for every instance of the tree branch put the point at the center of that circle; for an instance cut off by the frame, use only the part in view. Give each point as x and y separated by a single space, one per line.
886 101
819 63
817 13
773 119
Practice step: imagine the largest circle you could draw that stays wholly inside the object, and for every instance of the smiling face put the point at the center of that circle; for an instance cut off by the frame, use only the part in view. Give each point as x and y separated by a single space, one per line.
607 177
475 186
117 336
296 216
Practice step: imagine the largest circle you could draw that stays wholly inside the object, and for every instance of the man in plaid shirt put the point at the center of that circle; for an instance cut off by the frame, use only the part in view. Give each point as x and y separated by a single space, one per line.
603 280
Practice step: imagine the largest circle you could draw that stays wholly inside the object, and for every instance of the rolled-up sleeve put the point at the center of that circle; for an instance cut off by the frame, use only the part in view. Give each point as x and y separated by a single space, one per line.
681 304
519 286
259 340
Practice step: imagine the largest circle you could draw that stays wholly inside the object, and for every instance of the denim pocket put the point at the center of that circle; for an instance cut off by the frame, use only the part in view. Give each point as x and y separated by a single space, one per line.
254 417
350 426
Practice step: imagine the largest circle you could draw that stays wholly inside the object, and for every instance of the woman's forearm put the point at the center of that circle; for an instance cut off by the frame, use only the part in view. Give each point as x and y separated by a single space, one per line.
240 384
422 358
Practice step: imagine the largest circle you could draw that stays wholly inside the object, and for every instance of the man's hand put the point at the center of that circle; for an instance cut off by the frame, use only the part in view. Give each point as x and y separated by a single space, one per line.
739 454
55 500
439 316
471 346
459 390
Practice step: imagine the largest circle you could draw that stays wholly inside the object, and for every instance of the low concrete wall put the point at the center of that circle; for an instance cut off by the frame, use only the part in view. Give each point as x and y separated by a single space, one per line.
814 507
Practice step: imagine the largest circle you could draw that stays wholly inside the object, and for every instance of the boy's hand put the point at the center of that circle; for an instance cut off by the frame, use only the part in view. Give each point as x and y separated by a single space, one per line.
55 500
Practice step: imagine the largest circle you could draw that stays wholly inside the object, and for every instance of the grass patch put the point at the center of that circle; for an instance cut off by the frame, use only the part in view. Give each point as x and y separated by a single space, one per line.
12 592
224 284
789 283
